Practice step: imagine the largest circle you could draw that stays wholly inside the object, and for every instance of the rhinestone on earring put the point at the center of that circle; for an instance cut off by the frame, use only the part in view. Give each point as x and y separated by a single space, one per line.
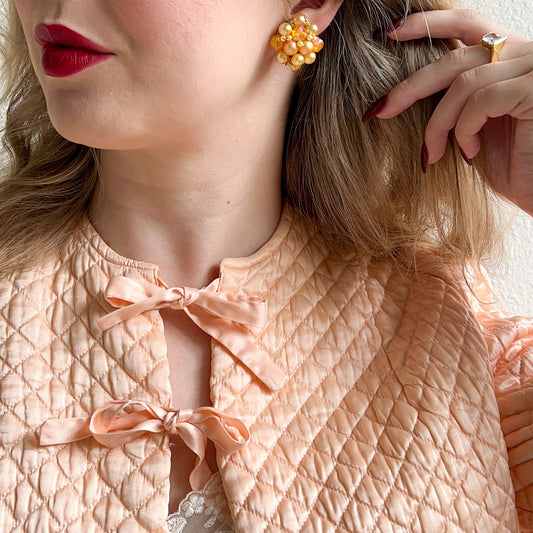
296 42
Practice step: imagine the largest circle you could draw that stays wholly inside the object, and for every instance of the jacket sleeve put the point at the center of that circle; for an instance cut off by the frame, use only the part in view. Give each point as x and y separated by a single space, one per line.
510 343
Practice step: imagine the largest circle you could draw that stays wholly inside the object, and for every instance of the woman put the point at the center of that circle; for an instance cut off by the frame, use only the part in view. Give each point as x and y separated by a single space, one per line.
339 363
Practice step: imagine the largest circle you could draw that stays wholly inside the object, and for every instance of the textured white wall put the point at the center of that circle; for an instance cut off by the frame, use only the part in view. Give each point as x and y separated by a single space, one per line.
513 278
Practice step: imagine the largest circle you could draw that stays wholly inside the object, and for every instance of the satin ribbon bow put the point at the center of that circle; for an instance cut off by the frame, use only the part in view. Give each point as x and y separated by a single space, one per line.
218 313
117 422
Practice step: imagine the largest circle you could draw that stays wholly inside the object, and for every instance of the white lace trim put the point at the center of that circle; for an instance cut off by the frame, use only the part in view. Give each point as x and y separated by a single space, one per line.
203 511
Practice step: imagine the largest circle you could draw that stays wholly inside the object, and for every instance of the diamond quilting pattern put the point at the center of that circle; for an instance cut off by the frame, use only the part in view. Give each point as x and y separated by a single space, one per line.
389 421
56 363
394 418
510 343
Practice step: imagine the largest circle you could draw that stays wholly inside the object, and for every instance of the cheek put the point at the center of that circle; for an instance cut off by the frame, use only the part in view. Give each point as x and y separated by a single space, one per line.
164 20
201 28
25 9
190 42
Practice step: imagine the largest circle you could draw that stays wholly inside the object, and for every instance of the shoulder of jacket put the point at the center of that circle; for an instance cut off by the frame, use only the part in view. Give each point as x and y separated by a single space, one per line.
44 273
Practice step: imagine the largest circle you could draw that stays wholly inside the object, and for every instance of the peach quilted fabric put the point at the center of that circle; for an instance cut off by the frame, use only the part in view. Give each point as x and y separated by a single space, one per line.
407 404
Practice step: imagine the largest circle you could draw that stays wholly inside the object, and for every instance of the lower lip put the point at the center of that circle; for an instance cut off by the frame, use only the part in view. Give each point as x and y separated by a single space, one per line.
61 61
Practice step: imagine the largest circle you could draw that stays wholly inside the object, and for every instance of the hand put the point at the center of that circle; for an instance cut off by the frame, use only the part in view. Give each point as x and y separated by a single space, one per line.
490 105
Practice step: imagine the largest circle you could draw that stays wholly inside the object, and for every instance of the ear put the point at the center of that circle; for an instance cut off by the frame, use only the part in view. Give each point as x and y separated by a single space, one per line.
321 12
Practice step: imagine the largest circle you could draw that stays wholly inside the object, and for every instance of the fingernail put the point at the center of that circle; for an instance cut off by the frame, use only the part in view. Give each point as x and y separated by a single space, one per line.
424 157
375 108
396 25
465 157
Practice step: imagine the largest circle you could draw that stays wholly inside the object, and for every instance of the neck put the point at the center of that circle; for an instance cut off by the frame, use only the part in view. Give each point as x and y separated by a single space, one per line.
186 210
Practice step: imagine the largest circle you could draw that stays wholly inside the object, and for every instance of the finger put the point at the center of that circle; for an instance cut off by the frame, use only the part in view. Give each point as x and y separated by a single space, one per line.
510 97
449 109
464 24
441 73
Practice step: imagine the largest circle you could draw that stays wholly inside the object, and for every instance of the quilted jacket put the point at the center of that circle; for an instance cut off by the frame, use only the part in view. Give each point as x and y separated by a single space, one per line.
405 404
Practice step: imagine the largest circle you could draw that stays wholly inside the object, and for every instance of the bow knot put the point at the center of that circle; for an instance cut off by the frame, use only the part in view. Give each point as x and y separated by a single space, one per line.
179 298
120 421
220 314
173 418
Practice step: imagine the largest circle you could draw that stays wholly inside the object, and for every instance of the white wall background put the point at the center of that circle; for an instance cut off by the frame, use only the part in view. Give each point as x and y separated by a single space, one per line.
513 278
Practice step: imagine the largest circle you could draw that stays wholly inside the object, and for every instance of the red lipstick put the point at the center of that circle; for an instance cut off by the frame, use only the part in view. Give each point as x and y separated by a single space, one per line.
65 51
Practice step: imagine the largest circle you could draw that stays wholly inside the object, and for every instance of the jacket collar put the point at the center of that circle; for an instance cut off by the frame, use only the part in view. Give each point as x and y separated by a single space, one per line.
255 275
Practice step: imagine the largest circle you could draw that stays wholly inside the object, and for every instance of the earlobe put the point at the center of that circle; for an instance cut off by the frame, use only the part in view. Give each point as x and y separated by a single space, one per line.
321 12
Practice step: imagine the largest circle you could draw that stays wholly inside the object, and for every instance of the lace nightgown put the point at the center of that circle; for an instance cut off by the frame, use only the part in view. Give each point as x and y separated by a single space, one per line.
203 511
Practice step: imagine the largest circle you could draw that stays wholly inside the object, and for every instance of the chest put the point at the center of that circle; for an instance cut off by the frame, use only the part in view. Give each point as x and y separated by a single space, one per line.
189 359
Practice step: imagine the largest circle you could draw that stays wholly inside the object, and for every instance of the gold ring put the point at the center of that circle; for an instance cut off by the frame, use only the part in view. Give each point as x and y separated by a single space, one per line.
494 43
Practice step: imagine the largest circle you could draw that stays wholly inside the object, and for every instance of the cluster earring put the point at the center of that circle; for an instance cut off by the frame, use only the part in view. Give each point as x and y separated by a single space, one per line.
296 42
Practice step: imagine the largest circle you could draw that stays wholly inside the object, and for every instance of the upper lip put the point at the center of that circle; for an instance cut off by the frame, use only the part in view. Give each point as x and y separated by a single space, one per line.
58 34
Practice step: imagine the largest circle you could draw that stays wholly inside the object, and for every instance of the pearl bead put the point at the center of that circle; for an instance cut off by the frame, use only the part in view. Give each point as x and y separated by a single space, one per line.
299 19
306 48
290 48
292 68
297 59
310 58
282 57
313 27
285 28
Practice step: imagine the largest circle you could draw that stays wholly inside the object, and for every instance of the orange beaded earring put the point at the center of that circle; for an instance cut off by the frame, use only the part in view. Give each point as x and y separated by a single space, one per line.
296 42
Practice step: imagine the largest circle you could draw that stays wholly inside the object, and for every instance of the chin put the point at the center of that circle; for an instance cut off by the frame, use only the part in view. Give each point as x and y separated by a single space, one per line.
78 120
90 133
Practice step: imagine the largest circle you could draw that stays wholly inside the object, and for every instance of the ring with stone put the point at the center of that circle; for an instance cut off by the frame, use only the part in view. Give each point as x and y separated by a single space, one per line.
494 43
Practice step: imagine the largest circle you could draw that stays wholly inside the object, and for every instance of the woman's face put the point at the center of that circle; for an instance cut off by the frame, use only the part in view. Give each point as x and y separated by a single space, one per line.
179 68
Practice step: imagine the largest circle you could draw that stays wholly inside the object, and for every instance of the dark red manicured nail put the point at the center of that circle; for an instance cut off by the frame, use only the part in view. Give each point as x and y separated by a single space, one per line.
375 108
465 157
424 157
396 25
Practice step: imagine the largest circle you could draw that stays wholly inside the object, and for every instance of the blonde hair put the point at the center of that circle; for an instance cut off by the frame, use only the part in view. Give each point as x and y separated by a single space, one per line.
360 184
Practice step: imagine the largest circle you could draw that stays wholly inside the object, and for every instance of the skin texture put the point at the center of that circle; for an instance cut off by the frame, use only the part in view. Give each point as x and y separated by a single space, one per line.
190 116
